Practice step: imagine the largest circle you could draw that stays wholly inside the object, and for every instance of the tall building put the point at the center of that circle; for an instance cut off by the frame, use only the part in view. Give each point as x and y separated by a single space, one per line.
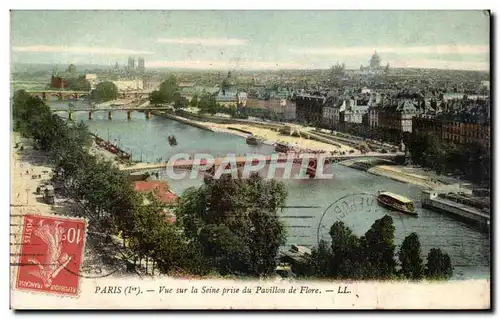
140 65
375 61
131 63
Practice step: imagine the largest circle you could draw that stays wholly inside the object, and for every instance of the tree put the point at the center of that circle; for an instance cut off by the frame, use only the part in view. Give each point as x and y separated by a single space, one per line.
409 256
207 104
78 84
344 248
194 101
378 249
167 92
105 91
168 88
319 264
235 234
438 265
155 98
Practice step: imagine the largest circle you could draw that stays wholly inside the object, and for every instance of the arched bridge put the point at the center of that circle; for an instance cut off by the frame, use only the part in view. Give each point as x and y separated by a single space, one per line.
110 111
59 94
241 160
75 95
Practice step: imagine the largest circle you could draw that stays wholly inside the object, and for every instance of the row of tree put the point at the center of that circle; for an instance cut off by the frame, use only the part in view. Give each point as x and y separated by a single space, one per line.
219 229
372 256
113 205
473 160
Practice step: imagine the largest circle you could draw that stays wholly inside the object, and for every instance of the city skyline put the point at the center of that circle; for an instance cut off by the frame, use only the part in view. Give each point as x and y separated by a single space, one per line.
232 39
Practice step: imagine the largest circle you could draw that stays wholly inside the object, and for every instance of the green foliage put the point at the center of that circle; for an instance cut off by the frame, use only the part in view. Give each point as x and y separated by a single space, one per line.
235 223
378 249
207 104
105 91
345 250
320 263
472 159
194 101
167 93
78 84
409 257
179 101
371 256
112 204
438 265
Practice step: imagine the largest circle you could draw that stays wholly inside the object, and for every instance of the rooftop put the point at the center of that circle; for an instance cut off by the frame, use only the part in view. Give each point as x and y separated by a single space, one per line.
159 188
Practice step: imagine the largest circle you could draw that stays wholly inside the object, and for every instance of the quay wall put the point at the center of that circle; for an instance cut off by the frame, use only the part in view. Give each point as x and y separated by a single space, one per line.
431 201
181 120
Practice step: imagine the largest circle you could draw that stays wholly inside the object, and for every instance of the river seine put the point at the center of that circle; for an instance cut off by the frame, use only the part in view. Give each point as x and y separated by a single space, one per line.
468 248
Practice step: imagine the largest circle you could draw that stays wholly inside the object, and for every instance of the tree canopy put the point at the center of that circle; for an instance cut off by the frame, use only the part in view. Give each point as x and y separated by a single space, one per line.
372 256
409 257
105 91
235 234
167 93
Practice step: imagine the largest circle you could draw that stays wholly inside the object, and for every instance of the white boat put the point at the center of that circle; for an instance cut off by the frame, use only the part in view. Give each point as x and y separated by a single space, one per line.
396 202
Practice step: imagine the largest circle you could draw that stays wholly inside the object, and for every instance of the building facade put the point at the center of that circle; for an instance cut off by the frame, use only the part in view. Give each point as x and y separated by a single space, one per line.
453 129
309 108
131 63
129 85
141 66
395 118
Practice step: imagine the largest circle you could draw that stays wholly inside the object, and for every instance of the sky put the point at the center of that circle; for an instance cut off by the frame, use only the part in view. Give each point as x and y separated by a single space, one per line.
253 40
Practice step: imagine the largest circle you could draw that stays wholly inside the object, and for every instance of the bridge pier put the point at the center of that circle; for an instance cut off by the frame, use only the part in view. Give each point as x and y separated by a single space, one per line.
90 115
110 115
70 116
148 114
129 115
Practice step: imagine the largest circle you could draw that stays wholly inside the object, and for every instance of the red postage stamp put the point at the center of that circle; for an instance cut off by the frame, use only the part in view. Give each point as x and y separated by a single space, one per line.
51 254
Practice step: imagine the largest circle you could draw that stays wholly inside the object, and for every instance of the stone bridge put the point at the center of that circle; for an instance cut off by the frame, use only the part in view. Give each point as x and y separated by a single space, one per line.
63 95
110 111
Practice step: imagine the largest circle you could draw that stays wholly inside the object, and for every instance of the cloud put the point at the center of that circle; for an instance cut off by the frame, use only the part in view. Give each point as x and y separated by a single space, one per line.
244 65
207 42
437 49
77 50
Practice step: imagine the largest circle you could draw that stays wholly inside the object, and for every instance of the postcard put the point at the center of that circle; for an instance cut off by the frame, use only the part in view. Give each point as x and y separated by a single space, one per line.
250 160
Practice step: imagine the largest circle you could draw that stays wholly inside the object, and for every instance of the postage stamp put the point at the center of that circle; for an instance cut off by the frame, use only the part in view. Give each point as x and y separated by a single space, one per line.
50 246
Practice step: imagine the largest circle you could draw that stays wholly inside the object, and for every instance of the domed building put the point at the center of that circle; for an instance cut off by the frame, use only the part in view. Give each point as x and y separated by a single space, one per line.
375 66
375 61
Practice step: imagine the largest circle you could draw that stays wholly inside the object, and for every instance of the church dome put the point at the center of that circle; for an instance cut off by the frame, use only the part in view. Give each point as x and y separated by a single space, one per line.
375 60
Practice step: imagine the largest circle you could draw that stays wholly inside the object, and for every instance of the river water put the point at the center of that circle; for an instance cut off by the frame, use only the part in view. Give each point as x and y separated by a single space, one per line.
469 249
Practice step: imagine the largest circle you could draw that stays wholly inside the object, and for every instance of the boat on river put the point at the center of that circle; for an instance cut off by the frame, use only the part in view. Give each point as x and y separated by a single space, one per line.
252 140
282 148
396 202
172 140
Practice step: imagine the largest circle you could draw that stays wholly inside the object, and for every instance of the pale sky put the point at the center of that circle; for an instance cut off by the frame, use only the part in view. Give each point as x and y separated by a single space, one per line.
253 39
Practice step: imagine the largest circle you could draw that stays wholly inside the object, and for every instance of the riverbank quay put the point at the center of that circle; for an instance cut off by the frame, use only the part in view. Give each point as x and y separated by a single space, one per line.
437 195
182 120
435 199
394 172
269 133
117 153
